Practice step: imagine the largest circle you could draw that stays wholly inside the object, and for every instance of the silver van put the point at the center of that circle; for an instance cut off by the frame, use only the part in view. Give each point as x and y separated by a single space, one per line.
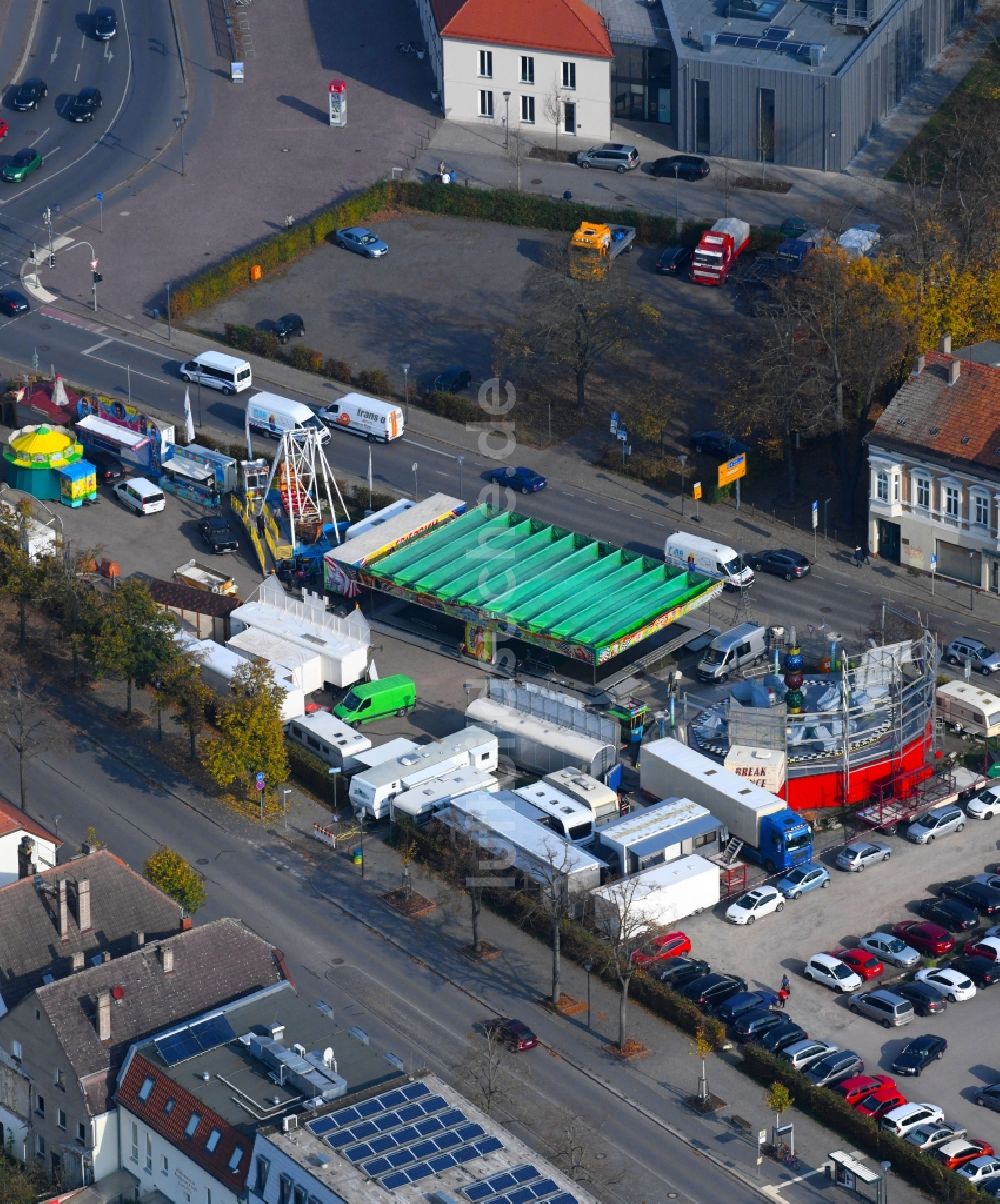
939 821
615 156
889 1009
732 650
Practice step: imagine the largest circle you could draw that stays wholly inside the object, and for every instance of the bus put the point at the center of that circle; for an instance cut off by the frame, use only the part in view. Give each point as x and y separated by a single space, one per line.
217 371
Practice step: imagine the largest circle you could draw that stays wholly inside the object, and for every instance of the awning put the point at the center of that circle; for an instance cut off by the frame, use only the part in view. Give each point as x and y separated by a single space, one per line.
112 432
674 836
185 467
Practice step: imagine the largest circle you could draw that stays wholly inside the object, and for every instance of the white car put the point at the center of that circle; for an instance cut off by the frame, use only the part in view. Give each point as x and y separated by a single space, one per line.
949 983
831 972
890 949
901 1120
804 1053
993 930
760 901
980 1169
985 805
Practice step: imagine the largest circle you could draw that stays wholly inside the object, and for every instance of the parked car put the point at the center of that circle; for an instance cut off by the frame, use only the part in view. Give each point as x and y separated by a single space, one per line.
890 949
760 901
681 167
980 656
454 379
753 1025
939 821
889 1009
860 961
805 1052
860 1085
880 1101
109 467
743 1001
932 1136
803 879
988 879
793 227
987 946
672 260
989 1097
901 1120
288 326
717 443
782 562
85 105
361 241
833 1067
931 939
963 1149
524 480
515 1034
782 1035
917 1055
28 95
662 947
925 999
980 1169
950 983
4 129
992 931
613 156
950 913
218 534
712 989
21 165
682 970
105 24
983 971
831 972
860 854
13 303
984 805
985 899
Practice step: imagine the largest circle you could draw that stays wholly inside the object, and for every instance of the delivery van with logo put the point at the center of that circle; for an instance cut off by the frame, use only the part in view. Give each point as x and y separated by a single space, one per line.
716 560
269 414
374 420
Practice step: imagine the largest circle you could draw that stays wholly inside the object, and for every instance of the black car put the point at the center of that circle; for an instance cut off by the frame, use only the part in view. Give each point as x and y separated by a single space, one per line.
109 467
783 562
105 24
926 1001
989 1097
917 1055
832 1067
683 167
288 327
717 443
84 106
752 1025
712 989
27 95
985 899
673 260
743 1001
218 534
679 971
12 303
786 1032
982 970
949 913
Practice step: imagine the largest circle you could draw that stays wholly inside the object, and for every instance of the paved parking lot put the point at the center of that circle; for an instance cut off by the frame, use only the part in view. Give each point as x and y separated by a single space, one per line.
851 906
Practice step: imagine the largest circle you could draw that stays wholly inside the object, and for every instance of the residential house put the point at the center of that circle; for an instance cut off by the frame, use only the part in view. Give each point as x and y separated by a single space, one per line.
25 846
63 1043
934 471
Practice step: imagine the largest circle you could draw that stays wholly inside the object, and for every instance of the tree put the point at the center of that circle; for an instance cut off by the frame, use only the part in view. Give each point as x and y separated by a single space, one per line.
176 877
553 901
251 739
21 1184
624 926
779 1099
23 575
702 1048
182 688
135 638
76 607
576 325
22 722
487 1071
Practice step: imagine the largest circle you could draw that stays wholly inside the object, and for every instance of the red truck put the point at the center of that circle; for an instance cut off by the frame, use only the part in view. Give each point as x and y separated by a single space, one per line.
719 249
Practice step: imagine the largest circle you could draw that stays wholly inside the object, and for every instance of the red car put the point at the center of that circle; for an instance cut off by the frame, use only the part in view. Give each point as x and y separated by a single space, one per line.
956 1153
925 936
990 947
880 1101
4 129
667 944
859 1086
515 1034
861 962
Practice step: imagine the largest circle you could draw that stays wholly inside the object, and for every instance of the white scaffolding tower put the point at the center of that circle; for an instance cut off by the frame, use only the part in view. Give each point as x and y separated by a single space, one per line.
307 486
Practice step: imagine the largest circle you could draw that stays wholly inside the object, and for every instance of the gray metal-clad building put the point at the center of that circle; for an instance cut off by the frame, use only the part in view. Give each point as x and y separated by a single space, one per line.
767 80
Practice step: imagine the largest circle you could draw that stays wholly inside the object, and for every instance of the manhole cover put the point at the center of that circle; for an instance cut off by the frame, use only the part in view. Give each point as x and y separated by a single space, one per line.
826 610
336 961
203 861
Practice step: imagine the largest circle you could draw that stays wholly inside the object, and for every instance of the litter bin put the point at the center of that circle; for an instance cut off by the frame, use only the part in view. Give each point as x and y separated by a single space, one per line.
357 857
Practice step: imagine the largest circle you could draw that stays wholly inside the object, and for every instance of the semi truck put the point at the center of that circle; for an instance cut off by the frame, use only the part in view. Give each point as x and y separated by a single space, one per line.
761 828
718 249
594 246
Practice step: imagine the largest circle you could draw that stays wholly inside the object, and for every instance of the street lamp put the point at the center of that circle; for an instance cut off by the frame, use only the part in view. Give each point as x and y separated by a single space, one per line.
588 966
170 325
179 123
416 492
406 391
506 121
826 511
682 461
884 1183
334 773
461 473
284 806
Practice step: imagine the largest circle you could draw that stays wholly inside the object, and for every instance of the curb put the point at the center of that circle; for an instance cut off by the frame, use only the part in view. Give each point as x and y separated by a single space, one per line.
180 51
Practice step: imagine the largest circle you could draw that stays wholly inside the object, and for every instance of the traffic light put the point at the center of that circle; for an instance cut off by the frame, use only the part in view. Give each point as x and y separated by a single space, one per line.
98 277
31 254
52 261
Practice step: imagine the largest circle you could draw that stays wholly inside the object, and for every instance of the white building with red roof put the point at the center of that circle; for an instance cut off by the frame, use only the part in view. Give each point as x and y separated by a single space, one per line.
25 846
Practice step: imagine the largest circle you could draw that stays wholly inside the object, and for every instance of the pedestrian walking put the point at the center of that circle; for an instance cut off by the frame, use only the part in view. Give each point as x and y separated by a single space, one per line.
782 997
786 985
859 556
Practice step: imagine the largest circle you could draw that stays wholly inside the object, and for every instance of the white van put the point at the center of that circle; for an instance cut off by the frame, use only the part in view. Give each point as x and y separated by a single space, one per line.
969 708
140 495
269 414
366 416
713 559
217 371
743 645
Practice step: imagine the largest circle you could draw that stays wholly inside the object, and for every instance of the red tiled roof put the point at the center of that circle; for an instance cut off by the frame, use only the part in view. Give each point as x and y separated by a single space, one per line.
171 1125
960 421
566 26
13 819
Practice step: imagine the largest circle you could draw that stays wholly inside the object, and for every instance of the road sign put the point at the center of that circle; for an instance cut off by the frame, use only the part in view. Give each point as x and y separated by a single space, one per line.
614 422
623 434
99 196
815 515
696 491
733 469
259 783
933 561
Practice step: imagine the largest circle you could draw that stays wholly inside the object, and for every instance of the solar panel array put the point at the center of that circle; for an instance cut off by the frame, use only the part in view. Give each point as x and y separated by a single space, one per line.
520 1185
194 1039
775 38
404 1135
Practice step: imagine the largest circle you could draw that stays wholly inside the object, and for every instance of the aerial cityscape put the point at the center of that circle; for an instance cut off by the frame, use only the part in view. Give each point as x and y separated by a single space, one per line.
499 584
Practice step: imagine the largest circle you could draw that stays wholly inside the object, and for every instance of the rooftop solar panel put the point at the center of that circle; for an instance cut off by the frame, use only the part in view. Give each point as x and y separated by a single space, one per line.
389 1120
383 1143
414 1173
338 1140
363 1129
434 1104
392 1099
424 1149
465 1154
378 1166
543 1187
488 1145
322 1126
414 1091
470 1131
368 1107
778 32
564 1198
442 1162
429 1124
478 1191
410 1112
212 1033
448 1141
396 1179
178 1047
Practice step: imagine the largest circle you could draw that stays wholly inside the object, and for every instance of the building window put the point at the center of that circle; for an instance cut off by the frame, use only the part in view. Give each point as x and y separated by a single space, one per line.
486 64
146 1090
980 509
284 1190
40 1104
569 75
263 1167
213 1140
39 1145
149 1153
194 1120
951 496
169 1106
60 1118
59 1080
81 1133
528 110
300 1195
527 69
882 485
485 103
922 492
15 1050
165 1168
135 1143
705 838
235 1158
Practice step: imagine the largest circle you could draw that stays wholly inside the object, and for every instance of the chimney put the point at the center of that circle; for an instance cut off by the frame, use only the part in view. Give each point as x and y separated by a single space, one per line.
138 939
954 371
166 959
918 367
83 904
104 1016
63 909
26 858
186 923
945 344
78 961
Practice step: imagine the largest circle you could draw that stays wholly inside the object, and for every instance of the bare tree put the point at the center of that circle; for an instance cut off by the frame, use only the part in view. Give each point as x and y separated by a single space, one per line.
552 107
475 857
574 1150
22 723
487 1072
623 924
553 902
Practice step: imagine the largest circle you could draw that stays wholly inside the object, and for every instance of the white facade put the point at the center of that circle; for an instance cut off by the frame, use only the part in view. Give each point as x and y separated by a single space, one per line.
43 856
160 1166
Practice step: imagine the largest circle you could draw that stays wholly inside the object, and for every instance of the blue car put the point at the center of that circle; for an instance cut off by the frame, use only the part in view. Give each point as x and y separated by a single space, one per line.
362 242
525 480
802 879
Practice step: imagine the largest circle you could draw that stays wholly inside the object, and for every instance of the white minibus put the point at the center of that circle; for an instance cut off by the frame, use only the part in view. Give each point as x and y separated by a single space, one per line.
217 371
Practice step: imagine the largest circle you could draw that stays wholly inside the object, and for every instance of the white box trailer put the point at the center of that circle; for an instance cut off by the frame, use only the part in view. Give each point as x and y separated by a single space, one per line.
601 799
536 745
657 897
327 737
967 707
421 801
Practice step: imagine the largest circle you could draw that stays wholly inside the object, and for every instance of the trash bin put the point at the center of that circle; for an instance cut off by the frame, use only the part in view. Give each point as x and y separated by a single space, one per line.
567 195
357 857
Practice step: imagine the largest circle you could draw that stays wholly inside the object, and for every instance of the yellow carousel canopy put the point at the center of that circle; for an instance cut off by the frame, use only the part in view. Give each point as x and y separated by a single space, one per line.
43 445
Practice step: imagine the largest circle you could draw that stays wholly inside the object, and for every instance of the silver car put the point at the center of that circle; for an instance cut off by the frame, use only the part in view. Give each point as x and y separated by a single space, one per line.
613 156
804 1053
939 821
362 242
890 949
980 656
862 853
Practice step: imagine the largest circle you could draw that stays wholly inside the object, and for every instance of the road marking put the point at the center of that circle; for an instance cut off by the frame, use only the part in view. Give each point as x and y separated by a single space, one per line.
76 73
55 52
427 447
96 347
132 371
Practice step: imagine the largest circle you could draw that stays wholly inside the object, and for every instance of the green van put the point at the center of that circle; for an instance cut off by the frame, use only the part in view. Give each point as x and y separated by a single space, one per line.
375 699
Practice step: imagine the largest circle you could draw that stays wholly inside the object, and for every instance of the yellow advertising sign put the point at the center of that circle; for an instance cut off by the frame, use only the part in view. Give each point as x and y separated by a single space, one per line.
696 491
733 469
